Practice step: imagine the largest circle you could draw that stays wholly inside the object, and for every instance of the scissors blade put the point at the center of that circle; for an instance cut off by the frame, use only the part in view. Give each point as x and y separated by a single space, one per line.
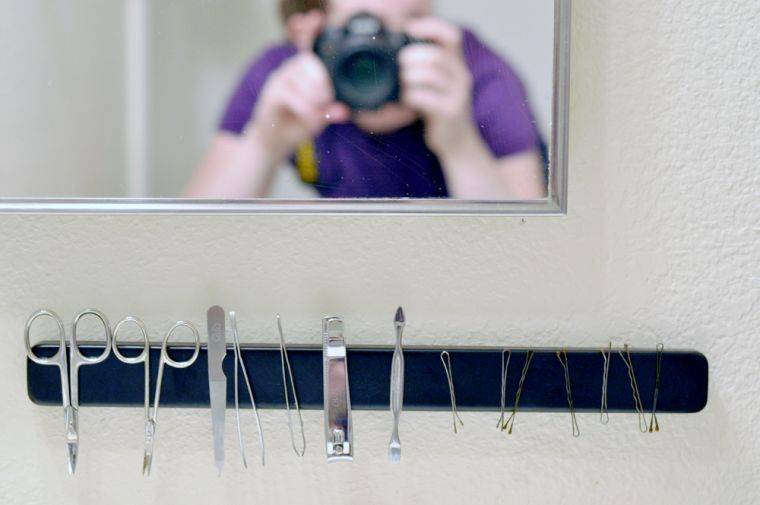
147 460
71 418
72 450
150 437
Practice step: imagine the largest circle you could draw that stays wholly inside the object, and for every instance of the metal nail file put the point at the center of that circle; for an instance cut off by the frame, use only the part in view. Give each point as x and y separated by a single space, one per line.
337 398
217 381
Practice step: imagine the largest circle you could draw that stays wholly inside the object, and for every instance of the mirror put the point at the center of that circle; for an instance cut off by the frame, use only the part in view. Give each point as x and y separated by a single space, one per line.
271 101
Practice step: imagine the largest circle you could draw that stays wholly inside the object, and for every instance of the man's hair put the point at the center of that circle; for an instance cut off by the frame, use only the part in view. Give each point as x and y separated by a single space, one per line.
290 7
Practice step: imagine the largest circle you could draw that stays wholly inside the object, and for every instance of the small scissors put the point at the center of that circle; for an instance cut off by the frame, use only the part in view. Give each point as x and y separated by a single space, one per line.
151 420
69 376
143 357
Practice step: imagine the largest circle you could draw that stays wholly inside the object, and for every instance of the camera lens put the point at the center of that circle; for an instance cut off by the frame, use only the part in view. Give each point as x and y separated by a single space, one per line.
368 78
366 69
361 59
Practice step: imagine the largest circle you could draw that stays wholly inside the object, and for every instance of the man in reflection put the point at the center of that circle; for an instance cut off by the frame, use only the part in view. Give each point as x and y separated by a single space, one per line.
459 125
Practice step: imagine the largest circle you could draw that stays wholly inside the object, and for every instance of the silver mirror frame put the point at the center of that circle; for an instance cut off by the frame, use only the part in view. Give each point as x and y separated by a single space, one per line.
554 205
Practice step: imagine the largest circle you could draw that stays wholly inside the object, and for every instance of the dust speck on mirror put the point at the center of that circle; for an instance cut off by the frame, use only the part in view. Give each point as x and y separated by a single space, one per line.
278 99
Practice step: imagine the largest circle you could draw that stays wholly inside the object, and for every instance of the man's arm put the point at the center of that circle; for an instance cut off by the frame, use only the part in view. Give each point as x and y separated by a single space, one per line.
439 84
234 167
473 173
296 104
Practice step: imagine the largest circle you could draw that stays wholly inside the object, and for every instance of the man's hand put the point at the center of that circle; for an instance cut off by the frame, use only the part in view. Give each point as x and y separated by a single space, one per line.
436 83
298 100
296 104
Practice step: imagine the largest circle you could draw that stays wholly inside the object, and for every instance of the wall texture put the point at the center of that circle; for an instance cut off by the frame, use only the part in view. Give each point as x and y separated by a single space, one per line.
662 243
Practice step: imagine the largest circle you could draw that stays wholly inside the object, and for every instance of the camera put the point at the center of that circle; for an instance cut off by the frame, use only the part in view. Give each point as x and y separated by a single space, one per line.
361 60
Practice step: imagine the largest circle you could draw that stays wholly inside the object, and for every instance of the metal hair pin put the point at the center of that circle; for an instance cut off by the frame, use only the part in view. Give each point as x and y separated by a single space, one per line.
604 415
510 424
653 419
446 357
504 371
562 357
285 362
634 388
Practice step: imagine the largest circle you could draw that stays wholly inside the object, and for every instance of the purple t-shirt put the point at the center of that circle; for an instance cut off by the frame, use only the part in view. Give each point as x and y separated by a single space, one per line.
352 163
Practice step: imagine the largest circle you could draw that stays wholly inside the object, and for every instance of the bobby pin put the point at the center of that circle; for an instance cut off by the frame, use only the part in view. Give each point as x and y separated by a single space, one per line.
509 425
604 414
653 419
634 388
562 357
504 369
445 356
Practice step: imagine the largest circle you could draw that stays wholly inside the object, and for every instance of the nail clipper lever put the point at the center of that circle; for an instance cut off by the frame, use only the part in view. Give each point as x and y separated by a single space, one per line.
337 398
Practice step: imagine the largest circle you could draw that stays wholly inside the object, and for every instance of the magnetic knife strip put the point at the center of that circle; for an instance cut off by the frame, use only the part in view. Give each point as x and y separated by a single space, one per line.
476 376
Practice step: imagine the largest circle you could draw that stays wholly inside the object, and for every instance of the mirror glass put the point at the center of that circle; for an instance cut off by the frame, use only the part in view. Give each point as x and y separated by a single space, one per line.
277 99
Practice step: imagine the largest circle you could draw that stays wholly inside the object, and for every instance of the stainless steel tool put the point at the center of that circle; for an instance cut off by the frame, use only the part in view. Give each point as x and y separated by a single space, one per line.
166 360
397 387
337 398
285 362
217 381
69 370
240 364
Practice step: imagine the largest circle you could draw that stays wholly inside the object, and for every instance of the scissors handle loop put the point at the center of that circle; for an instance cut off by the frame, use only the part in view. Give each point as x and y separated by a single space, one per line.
165 347
143 356
56 358
74 342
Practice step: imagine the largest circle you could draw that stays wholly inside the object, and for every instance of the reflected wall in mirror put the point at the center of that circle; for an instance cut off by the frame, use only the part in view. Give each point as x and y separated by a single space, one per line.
278 99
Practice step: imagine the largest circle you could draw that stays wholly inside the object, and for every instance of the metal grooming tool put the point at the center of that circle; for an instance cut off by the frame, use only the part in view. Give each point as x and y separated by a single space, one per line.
634 388
653 419
337 398
604 414
446 360
510 424
217 381
239 364
143 357
285 362
150 428
397 387
562 357
504 371
69 377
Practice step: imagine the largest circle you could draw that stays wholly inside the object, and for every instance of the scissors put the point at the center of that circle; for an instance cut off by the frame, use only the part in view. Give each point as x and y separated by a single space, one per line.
143 357
151 419
69 376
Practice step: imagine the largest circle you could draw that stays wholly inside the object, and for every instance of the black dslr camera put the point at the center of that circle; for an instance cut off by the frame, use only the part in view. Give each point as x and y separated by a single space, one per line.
361 60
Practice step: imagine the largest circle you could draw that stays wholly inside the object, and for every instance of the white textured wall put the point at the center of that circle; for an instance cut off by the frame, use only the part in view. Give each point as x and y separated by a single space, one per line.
662 243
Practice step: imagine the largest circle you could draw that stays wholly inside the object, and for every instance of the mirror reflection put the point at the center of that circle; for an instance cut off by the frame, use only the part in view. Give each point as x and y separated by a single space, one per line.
280 99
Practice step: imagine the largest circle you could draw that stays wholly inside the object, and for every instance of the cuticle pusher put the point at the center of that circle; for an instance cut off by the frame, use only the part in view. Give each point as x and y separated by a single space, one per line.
397 387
